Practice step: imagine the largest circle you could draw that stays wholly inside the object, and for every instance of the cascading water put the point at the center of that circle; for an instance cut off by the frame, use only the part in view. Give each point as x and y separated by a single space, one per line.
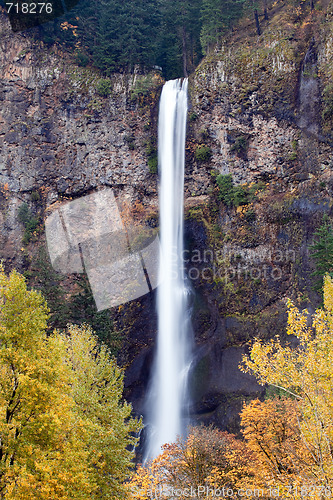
168 397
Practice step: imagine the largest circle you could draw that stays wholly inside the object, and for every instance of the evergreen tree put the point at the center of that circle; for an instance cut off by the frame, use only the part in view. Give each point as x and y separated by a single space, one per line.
253 6
119 35
125 35
217 16
322 252
179 48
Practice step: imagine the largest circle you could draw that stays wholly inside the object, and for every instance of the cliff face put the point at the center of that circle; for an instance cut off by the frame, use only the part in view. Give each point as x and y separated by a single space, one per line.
261 108
261 111
60 138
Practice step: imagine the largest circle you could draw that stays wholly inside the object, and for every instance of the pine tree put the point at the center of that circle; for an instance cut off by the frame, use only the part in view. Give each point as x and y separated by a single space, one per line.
179 45
217 16
125 34
322 252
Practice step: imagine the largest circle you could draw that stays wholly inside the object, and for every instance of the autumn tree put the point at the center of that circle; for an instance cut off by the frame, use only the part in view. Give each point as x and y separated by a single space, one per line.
40 456
64 431
207 458
96 387
306 374
271 432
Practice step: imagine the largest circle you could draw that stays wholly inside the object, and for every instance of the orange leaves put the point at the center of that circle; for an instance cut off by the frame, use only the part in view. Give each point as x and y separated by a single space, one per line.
287 441
271 432
306 373
5 190
65 26
145 481
208 458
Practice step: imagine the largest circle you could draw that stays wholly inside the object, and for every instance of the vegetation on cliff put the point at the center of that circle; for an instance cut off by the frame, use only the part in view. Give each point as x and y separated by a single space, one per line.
322 252
172 35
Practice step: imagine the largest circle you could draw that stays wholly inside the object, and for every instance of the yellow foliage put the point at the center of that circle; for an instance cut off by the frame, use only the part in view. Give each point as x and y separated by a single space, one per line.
64 431
97 386
305 373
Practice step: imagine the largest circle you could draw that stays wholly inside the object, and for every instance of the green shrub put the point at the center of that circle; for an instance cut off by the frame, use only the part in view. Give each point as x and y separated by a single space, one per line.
241 195
151 151
153 164
294 145
203 153
23 213
327 113
192 117
143 86
322 252
81 59
103 87
35 196
236 195
240 145
250 215
226 189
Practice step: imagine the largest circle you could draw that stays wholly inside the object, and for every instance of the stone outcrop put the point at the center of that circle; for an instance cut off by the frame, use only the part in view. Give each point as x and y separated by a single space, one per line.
62 139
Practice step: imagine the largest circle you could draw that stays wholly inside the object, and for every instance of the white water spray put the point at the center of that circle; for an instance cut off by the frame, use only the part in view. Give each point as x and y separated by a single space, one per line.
167 398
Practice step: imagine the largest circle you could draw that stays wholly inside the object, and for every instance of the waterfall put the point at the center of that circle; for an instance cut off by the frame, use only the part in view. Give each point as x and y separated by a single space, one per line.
167 397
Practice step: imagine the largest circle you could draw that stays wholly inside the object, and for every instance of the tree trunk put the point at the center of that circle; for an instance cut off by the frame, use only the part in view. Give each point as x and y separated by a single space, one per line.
184 53
256 18
192 53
